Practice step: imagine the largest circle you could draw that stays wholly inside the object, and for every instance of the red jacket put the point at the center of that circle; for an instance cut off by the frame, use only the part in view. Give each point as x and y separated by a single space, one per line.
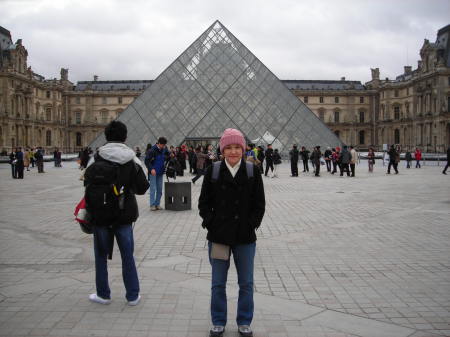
418 155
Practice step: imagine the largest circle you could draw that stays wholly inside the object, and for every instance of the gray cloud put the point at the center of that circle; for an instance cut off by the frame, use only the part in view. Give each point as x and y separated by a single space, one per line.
295 39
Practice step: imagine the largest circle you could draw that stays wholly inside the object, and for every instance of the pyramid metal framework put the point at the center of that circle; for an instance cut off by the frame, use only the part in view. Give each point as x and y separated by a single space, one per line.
217 83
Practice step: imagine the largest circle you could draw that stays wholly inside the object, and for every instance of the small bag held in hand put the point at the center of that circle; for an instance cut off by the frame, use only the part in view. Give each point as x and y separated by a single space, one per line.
220 252
82 217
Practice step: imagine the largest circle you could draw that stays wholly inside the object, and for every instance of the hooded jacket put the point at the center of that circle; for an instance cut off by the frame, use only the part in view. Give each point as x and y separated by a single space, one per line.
132 177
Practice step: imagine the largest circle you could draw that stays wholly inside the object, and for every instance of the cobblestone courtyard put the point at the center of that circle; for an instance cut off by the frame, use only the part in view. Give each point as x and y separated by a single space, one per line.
365 256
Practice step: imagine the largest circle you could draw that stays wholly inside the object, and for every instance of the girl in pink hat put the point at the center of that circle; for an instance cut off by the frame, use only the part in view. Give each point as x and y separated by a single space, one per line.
232 205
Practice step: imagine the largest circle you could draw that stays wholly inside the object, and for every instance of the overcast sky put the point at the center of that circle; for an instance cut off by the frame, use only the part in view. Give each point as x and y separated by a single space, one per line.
296 39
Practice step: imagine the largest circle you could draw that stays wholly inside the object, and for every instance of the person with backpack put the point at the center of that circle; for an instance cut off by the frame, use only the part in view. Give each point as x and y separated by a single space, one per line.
112 179
232 206
155 160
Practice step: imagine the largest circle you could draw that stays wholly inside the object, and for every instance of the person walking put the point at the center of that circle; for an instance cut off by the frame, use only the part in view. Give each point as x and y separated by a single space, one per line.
200 162
39 156
32 159
315 159
345 158
276 163
334 159
269 159
115 219
232 206
353 160
371 159
408 158
327 156
418 157
448 161
155 160
304 153
26 159
393 155
293 156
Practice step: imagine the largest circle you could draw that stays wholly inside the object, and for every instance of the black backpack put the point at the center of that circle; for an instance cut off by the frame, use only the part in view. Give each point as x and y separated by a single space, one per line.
104 193
216 170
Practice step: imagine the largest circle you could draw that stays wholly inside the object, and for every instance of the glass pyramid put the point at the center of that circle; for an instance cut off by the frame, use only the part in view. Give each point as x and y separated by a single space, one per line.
217 83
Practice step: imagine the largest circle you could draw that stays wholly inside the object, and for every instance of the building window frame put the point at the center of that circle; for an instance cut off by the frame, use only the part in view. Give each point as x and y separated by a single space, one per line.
78 139
119 100
362 115
336 116
321 99
397 136
104 100
78 117
361 99
396 112
48 138
336 99
362 137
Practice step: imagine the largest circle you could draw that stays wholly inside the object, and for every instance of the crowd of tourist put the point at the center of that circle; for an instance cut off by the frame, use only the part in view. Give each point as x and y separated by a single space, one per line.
333 160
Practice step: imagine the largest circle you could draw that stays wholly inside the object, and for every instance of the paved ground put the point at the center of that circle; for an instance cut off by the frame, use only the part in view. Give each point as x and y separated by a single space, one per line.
365 256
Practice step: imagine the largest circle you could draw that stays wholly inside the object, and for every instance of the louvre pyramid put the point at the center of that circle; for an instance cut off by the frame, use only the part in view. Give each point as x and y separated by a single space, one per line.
217 83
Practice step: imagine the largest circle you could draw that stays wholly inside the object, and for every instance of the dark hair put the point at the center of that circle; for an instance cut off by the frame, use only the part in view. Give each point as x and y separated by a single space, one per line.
162 140
116 131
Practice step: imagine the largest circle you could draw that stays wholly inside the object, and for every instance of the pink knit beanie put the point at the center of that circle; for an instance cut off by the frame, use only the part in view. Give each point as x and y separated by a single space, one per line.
232 136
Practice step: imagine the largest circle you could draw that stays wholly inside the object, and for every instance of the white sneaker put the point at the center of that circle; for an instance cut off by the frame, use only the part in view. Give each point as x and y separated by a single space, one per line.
98 299
135 302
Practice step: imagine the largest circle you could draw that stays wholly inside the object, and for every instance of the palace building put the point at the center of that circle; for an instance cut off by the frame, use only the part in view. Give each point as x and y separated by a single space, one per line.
411 110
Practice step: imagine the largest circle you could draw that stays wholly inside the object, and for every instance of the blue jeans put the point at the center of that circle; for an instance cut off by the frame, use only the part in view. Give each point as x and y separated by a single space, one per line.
155 189
243 256
124 237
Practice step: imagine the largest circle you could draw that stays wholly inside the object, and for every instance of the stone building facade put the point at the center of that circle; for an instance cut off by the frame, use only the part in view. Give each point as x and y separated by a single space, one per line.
411 110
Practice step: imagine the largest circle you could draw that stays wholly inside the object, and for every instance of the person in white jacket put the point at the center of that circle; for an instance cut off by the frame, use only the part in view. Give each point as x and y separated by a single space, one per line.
353 160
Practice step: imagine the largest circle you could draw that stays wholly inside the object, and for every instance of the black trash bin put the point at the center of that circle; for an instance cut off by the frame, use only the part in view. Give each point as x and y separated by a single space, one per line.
177 196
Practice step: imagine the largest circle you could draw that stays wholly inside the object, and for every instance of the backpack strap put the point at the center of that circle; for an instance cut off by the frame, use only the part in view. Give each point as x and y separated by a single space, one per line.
215 171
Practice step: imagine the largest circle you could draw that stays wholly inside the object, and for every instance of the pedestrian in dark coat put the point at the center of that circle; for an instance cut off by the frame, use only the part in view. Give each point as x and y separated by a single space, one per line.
13 162
448 161
293 156
305 156
19 164
232 208
345 159
393 159
269 160
315 159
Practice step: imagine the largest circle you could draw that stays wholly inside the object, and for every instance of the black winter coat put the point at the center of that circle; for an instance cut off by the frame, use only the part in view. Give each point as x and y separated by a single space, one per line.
232 208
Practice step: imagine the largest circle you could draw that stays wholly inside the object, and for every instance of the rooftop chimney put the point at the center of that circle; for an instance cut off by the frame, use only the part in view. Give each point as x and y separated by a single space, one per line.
342 78
95 78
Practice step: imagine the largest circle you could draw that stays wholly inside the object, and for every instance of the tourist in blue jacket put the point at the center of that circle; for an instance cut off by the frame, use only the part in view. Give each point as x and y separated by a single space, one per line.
155 160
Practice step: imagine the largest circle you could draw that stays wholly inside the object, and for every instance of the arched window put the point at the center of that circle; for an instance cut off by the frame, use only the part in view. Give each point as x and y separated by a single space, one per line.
361 116
78 138
78 117
397 136
48 138
336 116
362 137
